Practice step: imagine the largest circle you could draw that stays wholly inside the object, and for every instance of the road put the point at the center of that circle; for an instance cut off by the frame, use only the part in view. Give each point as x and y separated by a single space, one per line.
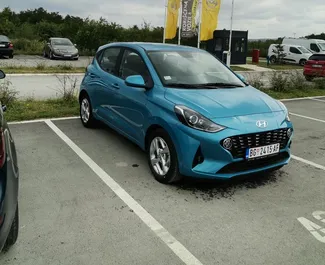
35 60
87 197
43 86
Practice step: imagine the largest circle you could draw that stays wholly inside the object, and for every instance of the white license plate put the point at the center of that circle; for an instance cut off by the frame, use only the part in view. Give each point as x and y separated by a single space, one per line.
67 55
2 45
317 66
262 151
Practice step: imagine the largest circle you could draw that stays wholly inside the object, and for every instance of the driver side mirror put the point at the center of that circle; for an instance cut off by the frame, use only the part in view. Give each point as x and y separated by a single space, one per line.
75 44
4 108
241 77
2 74
135 81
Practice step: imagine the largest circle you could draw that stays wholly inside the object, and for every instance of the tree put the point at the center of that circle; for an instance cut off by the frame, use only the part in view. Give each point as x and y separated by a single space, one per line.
280 54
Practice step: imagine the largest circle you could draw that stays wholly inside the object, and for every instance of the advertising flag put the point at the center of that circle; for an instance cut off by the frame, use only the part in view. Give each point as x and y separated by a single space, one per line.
189 8
172 18
209 19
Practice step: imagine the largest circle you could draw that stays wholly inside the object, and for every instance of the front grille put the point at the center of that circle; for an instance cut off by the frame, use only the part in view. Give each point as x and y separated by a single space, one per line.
243 166
240 143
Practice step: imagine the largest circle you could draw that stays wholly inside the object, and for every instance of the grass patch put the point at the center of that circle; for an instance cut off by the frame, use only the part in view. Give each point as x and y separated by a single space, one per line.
278 66
35 109
312 92
239 68
41 69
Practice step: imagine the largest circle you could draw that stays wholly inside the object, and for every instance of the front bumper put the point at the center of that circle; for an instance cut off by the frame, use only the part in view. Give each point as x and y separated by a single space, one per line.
65 56
201 154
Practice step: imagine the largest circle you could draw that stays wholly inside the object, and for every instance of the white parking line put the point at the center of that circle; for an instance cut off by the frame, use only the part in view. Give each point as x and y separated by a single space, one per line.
42 120
308 162
185 255
306 117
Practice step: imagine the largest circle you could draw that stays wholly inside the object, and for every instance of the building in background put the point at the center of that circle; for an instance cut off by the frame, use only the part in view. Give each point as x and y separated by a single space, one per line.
220 44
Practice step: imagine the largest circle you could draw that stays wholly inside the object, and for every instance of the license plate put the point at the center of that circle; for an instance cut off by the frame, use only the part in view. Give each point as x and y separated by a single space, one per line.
262 151
2 45
317 66
67 55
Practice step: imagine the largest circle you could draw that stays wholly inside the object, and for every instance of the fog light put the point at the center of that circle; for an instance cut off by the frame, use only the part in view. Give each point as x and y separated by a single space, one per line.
227 143
289 132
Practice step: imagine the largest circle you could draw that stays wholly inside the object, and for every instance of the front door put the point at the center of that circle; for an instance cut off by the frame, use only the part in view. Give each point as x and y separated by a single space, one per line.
131 103
294 55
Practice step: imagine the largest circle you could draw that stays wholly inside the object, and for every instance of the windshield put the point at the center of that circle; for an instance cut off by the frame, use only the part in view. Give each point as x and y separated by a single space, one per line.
62 42
4 38
191 68
303 49
322 46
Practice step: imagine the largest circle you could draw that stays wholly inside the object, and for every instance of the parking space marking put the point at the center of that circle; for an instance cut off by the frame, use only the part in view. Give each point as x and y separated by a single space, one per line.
316 99
306 117
183 253
315 229
308 162
42 120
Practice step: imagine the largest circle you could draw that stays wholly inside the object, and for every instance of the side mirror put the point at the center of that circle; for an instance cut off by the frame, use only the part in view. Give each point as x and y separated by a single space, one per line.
4 108
135 81
75 45
242 78
2 74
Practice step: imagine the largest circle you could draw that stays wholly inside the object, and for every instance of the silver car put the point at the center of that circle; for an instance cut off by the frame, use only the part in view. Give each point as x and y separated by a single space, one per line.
60 48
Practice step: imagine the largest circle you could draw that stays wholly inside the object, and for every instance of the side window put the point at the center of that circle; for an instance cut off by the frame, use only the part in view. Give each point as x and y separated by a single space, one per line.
132 64
314 47
108 59
294 50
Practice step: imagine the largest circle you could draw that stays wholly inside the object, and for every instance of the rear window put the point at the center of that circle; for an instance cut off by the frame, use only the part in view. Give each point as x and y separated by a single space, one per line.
4 38
317 57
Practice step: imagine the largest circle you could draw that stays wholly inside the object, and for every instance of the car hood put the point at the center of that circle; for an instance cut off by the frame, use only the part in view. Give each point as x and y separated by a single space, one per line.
221 103
65 48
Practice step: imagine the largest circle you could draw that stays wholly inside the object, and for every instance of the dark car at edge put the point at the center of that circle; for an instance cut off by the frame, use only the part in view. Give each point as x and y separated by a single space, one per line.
6 47
9 184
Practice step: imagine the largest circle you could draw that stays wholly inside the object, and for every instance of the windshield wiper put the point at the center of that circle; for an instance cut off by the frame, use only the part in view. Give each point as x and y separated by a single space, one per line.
182 85
219 85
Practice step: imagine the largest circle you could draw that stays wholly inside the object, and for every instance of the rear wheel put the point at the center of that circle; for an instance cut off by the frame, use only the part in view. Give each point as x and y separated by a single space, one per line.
162 157
13 234
309 78
11 56
86 114
302 62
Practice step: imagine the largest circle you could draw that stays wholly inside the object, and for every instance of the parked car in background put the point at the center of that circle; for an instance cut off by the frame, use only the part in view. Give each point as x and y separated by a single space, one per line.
9 184
316 45
6 47
315 67
189 112
60 48
290 54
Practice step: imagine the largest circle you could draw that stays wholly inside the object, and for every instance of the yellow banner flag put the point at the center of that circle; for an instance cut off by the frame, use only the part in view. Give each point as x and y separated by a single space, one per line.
172 18
209 20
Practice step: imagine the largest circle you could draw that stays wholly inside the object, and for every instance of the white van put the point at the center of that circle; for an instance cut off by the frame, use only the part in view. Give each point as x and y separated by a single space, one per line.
291 54
315 45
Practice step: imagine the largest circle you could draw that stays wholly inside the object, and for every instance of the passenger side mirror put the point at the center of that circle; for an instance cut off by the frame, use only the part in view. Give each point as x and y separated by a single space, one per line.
242 78
135 81
2 74
4 108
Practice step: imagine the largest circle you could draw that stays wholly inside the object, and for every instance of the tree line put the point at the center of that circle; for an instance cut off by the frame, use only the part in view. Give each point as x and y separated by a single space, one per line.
29 29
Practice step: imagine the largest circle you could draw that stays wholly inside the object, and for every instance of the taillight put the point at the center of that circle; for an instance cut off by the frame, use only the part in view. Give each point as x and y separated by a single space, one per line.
2 149
11 45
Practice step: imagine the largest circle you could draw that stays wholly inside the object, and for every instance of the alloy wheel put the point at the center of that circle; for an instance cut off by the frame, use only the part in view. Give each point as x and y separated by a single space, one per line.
85 110
160 156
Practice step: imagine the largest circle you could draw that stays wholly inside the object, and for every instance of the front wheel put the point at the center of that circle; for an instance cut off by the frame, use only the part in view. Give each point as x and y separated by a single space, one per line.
13 234
162 157
273 59
302 62
86 113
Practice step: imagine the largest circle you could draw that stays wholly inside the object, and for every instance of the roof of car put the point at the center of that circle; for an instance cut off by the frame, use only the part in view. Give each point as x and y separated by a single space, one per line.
150 46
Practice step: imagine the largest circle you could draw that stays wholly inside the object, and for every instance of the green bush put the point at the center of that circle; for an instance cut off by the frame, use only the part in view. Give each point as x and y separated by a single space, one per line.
25 46
279 81
7 95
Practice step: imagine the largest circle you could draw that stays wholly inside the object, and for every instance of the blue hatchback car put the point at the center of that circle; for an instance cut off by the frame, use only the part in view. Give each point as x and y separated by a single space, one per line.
189 112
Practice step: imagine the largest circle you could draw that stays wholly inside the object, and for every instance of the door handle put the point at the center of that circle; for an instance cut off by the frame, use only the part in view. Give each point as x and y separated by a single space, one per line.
115 86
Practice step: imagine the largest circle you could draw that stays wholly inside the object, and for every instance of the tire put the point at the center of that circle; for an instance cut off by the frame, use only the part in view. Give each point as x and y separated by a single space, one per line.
273 59
44 54
302 62
87 120
51 55
309 78
14 230
11 56
172 175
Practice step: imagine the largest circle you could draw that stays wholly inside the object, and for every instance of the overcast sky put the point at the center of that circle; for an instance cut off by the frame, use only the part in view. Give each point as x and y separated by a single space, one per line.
262 18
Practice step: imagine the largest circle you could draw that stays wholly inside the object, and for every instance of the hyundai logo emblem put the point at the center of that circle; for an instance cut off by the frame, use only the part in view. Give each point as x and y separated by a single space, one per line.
261 124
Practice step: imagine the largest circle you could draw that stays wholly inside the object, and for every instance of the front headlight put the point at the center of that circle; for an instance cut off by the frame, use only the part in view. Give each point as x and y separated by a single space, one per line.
286 110
195 120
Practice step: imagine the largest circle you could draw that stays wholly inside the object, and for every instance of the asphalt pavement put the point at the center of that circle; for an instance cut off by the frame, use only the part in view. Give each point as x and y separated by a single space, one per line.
87 197
35 60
